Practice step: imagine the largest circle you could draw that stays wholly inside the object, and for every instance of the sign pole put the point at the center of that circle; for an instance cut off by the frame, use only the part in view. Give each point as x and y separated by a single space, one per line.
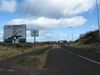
34 39
34 33
34 42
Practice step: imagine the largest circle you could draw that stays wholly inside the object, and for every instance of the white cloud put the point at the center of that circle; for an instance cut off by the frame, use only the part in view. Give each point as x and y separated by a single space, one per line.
53 36
98 1
47 36
28 33
50 23
93 27
1 35
8 5
56 8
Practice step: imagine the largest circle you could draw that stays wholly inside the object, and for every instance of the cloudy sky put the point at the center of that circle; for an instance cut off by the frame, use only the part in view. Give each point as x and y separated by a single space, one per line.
54 19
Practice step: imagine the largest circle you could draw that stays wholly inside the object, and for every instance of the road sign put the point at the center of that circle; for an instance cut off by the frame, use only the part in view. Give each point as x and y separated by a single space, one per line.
35 33
15 33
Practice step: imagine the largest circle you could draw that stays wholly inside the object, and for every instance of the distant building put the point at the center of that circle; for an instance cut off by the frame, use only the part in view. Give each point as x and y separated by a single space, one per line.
15 33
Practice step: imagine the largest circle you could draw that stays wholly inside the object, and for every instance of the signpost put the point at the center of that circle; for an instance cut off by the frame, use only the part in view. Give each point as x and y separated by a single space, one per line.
34 33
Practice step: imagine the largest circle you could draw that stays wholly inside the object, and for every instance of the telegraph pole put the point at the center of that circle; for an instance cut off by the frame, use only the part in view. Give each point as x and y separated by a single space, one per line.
97 8
72 35
71 32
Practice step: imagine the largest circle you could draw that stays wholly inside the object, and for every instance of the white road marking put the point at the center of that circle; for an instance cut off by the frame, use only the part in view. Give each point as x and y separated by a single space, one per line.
56 46
69 52
83 57
88 59
11 70
1 69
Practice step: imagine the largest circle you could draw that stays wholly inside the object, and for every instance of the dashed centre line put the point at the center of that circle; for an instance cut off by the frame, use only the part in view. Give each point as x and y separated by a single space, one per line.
1 69
8 70
70 52
11 70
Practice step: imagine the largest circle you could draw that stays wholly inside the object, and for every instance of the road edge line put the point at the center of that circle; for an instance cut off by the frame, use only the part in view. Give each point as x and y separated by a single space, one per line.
89 59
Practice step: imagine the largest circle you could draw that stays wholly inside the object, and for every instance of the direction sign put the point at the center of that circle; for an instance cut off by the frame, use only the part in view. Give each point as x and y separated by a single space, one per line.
35 33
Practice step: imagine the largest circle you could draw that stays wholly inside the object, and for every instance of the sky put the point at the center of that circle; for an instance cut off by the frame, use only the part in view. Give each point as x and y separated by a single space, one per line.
55 19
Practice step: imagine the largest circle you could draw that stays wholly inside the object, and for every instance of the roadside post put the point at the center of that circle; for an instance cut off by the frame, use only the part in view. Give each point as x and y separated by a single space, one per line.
35 33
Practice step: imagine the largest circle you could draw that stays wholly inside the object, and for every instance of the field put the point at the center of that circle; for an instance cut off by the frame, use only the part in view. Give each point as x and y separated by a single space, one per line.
36 60
13 50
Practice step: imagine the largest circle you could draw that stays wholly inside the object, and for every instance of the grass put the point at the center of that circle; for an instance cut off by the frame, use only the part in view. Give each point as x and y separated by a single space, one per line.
13 50
89 48
38 59
9 51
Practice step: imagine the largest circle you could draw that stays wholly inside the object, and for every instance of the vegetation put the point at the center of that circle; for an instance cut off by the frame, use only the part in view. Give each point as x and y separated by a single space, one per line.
88 41
12 50
89 38
38 59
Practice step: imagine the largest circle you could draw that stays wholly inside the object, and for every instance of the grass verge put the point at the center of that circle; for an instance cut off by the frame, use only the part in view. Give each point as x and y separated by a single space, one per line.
38 59
89 48
9 51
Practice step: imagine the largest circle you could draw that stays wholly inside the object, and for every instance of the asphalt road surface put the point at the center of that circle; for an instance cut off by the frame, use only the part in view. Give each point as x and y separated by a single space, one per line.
61 60
67 61
9 66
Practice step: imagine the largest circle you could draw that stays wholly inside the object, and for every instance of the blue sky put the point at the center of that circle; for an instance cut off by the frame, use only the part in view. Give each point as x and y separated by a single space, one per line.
53 18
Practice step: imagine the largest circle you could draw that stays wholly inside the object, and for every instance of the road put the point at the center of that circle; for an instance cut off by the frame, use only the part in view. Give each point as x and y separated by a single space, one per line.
61 60
9 66
67 61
